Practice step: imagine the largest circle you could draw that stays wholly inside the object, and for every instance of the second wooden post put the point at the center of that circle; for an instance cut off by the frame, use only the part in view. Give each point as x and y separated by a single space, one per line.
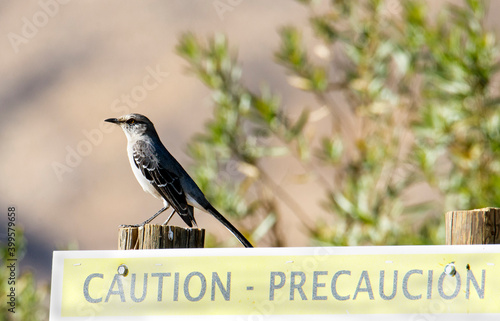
480 226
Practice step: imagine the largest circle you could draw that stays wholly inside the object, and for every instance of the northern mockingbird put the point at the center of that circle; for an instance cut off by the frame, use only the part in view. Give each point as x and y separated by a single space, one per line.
162 176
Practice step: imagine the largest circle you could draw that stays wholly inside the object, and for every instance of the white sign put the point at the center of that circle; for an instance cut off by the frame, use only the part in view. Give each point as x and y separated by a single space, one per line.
345 283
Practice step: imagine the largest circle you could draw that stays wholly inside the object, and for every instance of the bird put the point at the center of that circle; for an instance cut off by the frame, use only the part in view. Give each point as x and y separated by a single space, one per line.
162 176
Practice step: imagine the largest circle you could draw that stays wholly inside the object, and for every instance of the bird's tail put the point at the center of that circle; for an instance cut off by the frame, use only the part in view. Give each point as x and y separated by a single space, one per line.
228 225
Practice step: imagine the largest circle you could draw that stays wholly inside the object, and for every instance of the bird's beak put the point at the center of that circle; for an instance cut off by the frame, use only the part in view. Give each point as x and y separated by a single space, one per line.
113 120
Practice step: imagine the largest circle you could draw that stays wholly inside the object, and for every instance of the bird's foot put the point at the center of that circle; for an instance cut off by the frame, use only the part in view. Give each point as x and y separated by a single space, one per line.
130 225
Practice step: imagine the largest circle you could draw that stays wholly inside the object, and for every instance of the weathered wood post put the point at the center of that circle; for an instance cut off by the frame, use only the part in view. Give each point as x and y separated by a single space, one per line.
154 236
480 226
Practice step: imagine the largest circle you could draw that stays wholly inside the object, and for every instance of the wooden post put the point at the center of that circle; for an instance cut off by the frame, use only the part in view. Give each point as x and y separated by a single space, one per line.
154 236
481 226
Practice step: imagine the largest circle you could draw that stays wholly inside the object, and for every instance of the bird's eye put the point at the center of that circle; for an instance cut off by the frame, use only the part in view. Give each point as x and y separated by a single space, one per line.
131 121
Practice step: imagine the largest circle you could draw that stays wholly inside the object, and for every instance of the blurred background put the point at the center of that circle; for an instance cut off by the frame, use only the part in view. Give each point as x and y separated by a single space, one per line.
305 123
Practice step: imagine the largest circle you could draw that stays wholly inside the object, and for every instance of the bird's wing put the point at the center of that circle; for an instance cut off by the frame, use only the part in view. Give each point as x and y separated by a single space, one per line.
164 181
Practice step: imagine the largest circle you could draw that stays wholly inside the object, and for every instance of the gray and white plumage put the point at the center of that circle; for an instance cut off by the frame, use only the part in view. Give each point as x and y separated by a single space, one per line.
159 173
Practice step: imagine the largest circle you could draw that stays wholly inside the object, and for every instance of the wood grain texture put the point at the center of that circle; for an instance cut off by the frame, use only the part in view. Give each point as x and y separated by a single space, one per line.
480 226
154 236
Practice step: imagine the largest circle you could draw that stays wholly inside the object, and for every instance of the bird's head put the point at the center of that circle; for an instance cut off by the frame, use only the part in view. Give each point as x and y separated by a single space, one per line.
134 125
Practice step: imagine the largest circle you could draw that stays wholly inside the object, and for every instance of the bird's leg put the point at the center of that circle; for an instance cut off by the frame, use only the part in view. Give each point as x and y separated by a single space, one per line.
154 216
149 219
168 219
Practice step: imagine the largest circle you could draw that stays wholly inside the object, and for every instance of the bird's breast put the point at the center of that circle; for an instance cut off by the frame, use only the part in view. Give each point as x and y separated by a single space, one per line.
145 184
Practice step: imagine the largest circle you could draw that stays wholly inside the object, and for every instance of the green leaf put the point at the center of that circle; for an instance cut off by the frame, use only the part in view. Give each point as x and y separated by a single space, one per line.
300 123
